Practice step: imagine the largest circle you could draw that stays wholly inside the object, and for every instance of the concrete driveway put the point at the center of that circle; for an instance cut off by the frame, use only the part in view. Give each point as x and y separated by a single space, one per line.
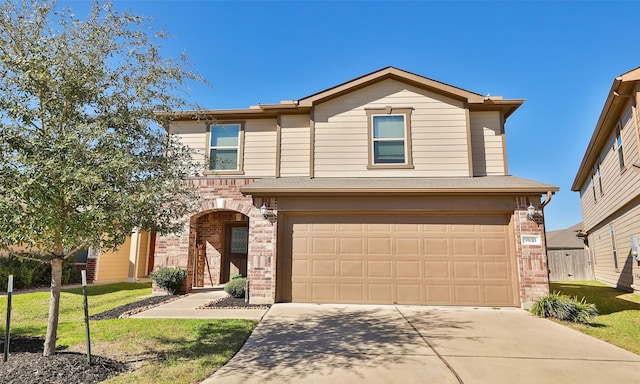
304 343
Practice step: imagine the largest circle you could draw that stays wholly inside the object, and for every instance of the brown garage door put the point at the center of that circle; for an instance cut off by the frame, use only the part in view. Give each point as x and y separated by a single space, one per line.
436 260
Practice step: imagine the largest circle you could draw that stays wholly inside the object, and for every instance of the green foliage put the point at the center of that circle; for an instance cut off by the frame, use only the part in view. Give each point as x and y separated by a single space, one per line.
236 287
170 279
32 273
563 307
83 160
236 276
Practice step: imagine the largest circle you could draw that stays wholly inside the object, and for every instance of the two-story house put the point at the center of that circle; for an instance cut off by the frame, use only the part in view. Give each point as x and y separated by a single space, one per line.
609 184
389 188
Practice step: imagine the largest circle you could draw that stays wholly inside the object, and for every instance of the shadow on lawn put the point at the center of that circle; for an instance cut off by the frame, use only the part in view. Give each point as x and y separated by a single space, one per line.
606 299
96 290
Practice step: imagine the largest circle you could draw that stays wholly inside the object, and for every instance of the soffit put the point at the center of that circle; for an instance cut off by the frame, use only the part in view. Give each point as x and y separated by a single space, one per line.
291 186
622 86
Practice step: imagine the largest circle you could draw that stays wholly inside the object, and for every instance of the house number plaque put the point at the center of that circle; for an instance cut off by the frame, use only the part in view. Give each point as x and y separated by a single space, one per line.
531 240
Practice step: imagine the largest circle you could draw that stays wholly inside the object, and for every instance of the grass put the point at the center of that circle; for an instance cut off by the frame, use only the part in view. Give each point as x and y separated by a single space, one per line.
162 350
619 320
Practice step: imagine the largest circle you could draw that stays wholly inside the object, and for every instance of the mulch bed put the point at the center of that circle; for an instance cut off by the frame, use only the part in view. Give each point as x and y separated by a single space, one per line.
27 365
230 302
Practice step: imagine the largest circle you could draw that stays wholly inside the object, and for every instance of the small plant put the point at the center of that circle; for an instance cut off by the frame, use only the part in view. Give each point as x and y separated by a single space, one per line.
563 307
236 287
169 278
236 276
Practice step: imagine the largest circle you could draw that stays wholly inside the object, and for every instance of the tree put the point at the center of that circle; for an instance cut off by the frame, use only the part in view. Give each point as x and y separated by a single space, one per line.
82 159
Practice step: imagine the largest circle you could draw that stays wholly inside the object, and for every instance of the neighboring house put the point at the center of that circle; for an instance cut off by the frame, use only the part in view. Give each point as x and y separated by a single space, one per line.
389 188
609 184
567 255
131 261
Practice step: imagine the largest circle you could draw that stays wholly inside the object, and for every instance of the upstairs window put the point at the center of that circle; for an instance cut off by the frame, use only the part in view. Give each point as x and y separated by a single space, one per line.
389 138
225 146
619 146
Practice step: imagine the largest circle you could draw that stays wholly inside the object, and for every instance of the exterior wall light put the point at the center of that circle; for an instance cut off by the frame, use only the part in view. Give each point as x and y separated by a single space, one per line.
263 211
531 212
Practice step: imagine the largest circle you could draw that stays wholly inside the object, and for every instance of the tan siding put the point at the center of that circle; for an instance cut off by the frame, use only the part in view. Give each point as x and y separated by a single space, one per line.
619 187
194 135
438 125
625 226
143 254
486 141
114 265
295 145
260 148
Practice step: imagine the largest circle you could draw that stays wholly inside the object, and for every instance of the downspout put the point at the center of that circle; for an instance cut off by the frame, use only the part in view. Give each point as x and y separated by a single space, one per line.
547 200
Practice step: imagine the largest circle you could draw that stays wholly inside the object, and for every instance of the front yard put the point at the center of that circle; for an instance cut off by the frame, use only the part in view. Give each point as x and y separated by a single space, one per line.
157 351
619 320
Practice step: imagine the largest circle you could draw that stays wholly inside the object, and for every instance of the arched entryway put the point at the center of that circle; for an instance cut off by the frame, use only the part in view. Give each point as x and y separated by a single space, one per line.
219 246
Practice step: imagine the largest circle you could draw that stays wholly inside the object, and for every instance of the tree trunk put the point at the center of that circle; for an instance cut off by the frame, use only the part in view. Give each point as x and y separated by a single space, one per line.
54 307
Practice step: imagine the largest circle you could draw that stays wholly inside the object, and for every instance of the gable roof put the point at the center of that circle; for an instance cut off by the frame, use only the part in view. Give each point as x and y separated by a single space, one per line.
565 238
617 98
474 101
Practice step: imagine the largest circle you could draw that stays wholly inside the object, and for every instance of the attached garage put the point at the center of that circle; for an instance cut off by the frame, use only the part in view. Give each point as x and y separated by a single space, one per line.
398 259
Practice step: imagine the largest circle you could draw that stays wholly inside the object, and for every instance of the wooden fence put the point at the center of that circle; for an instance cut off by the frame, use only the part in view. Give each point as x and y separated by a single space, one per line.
569 264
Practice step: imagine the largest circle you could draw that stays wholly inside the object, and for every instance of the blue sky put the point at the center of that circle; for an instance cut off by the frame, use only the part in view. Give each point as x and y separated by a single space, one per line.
560 56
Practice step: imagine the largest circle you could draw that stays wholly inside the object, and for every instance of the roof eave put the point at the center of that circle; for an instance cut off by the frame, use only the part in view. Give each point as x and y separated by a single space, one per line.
597 138
278 191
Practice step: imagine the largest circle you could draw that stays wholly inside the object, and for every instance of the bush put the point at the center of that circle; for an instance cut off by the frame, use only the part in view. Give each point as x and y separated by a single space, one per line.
563 307
170 279
236 287
236 276
29 273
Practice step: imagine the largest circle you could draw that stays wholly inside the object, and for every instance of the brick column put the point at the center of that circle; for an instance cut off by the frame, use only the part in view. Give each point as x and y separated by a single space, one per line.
262 252
532 258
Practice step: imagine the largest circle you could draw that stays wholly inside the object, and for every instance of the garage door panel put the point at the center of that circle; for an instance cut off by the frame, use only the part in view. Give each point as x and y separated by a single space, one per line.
465 270
409 246
436 247
351 268
466 294
438 260
438 294
323 292
498 295
495 270
377 269
464 247
323 245
323 268
493 247
437 269
351 246
379 246
380 293
409 294
352 293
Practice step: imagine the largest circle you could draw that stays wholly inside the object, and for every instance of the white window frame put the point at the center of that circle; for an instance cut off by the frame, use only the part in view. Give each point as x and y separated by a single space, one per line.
406 117
239 147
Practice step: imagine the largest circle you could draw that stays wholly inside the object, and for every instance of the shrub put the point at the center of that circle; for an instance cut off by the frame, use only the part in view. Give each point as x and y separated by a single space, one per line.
169 278
236 287
29 273
563 307
236 276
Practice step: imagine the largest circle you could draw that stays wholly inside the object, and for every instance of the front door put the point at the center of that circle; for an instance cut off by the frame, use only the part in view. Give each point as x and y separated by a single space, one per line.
236 251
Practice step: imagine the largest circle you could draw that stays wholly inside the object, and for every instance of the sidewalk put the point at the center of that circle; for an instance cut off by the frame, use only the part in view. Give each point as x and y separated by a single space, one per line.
185 308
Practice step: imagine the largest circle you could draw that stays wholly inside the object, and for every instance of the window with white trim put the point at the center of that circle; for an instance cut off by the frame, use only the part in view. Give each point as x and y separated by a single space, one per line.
619 146
224 147
389 138
613 248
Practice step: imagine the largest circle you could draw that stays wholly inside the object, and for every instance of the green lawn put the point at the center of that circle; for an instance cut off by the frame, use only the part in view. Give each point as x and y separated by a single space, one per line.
619 320
163 351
